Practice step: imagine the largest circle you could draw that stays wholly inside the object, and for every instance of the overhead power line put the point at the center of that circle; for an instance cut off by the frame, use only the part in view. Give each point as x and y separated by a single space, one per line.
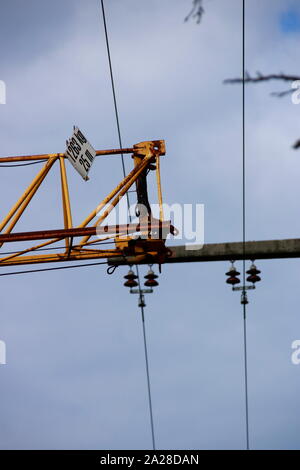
53 269
22 164
244 227
57 248
128 204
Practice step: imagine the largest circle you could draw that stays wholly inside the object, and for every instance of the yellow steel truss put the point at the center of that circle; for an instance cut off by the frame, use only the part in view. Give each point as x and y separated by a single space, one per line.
145 156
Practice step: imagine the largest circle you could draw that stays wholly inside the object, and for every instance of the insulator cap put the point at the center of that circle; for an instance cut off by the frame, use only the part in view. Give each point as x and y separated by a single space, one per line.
151 283
233 280
151 275
232 272
130 275
253 270
130 283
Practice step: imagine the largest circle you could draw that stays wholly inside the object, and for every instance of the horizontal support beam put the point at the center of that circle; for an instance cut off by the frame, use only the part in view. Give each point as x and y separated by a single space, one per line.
83 231
269 249
47 234
46 156
157 147
57 258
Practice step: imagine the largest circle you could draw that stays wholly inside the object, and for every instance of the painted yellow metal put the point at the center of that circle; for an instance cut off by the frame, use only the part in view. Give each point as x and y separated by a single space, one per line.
65 198
159 190
59 257
144 154
47 156
35 182
28 250
108 198
119 196
65 194
25 203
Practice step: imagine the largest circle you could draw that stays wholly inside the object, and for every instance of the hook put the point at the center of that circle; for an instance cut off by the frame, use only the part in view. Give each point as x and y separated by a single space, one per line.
111 269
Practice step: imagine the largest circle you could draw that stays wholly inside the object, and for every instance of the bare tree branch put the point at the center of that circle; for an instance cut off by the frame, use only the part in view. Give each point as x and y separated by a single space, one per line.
296 145
264 78
196 11
281 94
260 78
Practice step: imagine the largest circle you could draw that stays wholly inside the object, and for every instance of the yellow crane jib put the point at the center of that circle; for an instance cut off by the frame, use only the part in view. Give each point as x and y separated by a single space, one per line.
142 240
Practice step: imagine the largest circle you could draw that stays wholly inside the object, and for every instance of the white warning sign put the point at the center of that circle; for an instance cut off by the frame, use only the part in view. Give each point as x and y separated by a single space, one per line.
80 153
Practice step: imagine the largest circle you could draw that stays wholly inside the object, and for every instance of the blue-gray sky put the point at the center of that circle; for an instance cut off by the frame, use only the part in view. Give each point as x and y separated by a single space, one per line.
75 373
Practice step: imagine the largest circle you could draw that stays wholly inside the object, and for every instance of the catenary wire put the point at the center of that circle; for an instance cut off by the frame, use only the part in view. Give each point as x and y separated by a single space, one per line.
52 269
22 164
55 248
244 227
128 204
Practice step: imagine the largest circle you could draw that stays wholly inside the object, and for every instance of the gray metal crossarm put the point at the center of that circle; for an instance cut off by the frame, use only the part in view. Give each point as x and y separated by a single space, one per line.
266 249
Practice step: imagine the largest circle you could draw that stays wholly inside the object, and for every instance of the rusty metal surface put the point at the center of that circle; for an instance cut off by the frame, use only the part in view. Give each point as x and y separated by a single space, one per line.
46 156
80 232
158 145
147 236
254 250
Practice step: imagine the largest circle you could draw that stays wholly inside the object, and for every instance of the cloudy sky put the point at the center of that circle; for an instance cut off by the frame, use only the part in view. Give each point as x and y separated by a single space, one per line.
75 373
